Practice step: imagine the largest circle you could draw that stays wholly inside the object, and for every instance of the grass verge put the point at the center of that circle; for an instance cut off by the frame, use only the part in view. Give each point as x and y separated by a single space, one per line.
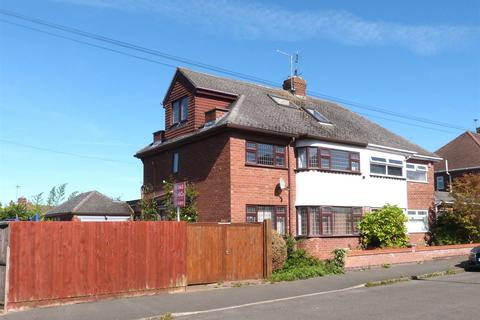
449 271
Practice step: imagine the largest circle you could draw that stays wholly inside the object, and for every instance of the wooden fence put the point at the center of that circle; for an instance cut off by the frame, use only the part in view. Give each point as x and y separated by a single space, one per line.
54 262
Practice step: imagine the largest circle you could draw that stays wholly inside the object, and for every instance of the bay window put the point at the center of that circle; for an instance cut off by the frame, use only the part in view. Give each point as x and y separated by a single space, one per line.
265 154
328 159
386 167
417 172
328 221
277 214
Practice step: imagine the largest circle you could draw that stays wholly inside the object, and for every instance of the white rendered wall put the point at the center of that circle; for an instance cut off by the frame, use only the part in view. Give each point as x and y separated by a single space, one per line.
315 187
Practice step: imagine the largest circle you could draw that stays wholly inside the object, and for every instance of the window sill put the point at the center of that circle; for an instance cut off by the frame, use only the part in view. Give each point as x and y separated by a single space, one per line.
330 236
179 125
356 173
387 177
416 181
264 166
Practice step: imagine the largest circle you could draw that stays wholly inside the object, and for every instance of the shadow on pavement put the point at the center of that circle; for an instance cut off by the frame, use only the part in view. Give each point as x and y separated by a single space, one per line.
468 267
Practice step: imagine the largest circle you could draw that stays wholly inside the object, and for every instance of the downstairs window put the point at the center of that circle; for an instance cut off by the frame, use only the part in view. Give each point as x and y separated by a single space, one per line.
278 215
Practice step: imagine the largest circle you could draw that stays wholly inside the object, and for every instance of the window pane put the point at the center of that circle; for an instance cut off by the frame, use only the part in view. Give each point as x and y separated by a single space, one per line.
251 157
395 171
395 161
314 221
417 175
355 156
175 162
175 112
281 210
302 157
184 103
280 159
340 160
280 225
325 152
264 212
327 224
302 221
325 163
355 166
313 157
440 183
342 220
410 166
251 219
265 154
356 222
378 168
251 145
251 209
379 159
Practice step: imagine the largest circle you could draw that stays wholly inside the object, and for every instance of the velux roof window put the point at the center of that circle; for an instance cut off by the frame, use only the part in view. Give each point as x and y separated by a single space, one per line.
280 101
318 116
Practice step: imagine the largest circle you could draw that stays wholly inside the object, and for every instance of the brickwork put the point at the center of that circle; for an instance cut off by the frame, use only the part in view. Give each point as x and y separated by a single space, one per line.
419 239
322 247
254 184
210 171
421 196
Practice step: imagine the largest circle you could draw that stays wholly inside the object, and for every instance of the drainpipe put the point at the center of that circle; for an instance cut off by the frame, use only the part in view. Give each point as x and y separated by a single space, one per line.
449 176
290 188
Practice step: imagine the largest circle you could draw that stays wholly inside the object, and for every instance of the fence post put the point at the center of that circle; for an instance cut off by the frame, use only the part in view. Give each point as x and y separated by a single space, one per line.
267 248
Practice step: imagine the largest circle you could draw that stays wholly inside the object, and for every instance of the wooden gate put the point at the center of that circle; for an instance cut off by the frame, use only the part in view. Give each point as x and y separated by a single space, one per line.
227 252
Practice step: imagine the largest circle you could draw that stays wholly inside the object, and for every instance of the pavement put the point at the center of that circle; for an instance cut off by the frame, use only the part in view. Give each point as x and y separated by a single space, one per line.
254 296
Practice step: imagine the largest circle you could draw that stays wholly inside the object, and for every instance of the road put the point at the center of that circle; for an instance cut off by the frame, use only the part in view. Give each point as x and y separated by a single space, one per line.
447 297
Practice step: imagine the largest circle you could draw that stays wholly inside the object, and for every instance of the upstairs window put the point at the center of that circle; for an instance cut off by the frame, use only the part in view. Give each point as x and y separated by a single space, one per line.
386 167
179 110
328 159
265 154
416 172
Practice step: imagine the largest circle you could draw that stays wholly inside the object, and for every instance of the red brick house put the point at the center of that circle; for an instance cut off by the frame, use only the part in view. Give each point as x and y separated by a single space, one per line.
312 166
460 156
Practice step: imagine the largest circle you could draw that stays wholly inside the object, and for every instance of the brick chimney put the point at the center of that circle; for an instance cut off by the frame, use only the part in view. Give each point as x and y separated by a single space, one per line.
297 85
214 114
159 136
22 201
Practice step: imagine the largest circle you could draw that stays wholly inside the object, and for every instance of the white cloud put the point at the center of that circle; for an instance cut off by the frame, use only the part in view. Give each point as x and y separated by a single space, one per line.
248 20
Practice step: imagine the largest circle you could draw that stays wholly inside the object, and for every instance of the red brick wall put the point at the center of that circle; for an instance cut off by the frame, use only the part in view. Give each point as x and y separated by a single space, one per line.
253 184
421 195
322 247
210 171
418 238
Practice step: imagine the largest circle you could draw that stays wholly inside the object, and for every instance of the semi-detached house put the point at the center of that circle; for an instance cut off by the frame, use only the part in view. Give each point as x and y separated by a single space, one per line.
312 166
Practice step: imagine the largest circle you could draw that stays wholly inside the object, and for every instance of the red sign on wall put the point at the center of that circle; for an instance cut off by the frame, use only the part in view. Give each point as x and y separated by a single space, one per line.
179 195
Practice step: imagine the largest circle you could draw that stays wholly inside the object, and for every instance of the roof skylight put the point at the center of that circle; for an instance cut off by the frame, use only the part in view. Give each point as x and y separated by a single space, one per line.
317 115
280 101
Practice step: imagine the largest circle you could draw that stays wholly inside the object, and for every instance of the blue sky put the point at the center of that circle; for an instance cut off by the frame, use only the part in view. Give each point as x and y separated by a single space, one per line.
419 58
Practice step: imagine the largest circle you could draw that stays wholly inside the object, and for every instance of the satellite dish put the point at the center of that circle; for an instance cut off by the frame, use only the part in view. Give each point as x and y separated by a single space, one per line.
282 184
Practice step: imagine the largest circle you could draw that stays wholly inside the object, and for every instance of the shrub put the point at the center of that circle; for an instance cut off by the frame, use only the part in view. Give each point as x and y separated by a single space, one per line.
279 251
291 244
454 228
384 228
338 261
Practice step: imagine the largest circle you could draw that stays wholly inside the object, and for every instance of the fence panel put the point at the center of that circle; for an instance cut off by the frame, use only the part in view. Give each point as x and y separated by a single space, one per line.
225 252
53 261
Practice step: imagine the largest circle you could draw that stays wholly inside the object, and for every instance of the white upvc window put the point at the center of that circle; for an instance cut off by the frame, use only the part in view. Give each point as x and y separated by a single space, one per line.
440 183
381 166
417 172
417 221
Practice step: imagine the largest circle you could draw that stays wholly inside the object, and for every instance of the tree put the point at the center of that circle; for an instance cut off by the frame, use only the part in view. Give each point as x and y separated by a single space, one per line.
384 228
148 205
73 195
188 213
466 194
16 210
56 195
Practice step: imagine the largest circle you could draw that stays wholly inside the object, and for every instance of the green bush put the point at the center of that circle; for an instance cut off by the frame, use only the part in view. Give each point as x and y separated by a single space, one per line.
384 228
454 228
301 265
279 251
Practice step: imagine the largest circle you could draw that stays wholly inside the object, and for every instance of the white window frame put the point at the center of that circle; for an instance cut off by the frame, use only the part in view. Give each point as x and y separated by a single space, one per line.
417 167
415 215
442 179
387 163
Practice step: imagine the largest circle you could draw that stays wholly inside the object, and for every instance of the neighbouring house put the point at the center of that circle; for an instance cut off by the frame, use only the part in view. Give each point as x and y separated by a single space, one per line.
312 166
460 156
91 206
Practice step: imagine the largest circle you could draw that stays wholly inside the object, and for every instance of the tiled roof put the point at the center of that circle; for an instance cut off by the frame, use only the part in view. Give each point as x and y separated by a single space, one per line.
256 109
92 202
463 152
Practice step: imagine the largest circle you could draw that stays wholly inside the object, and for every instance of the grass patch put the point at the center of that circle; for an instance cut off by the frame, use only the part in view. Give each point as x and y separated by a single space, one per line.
300 265
386 282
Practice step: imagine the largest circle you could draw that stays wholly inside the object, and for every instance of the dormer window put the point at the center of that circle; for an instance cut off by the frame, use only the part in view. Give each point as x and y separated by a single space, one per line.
180 110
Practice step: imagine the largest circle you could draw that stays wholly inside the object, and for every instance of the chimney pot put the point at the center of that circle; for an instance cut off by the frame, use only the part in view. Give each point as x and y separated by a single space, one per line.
296 85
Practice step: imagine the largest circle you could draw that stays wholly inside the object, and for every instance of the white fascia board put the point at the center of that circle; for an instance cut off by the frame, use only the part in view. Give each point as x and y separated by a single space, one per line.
422 157
372 146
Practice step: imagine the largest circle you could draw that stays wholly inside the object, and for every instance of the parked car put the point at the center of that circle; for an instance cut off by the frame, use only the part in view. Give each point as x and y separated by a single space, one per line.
474 257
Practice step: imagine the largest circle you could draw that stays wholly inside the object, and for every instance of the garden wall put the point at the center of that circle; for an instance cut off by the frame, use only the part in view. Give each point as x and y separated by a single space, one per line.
369 258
